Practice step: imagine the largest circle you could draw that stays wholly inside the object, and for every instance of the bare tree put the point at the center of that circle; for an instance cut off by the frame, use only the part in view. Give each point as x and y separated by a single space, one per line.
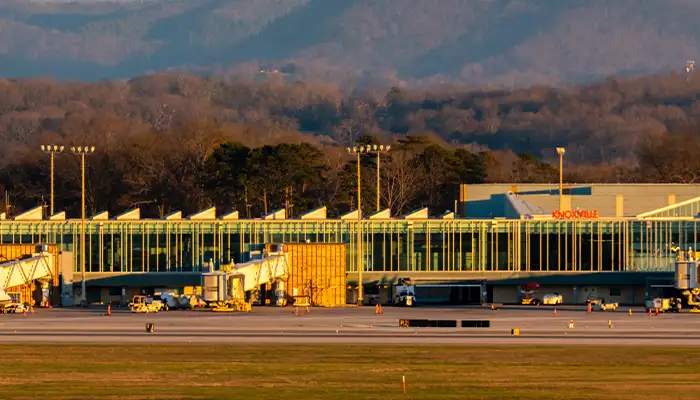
671 158
402 180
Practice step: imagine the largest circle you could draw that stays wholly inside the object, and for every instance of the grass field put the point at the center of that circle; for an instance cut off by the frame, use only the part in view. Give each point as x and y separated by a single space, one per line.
346 372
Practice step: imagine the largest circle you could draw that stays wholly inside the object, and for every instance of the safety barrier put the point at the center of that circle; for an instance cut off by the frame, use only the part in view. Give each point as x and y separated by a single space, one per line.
414 323
476 324
443 323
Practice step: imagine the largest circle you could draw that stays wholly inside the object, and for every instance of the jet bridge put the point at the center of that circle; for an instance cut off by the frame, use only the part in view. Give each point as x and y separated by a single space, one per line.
228 286
24 271
687 280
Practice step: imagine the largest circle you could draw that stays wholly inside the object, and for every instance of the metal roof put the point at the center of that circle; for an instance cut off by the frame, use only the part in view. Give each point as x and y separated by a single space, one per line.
528 201
482 201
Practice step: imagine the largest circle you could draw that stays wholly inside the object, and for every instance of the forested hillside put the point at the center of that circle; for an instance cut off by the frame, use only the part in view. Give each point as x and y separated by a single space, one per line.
168 142
353 42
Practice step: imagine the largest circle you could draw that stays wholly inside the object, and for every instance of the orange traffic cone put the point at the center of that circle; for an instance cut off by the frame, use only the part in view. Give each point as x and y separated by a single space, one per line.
589 307
24 312
555 312
657 311
650 312
109 310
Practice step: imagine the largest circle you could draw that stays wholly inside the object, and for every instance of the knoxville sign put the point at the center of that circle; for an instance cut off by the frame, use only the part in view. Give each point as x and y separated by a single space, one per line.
575 214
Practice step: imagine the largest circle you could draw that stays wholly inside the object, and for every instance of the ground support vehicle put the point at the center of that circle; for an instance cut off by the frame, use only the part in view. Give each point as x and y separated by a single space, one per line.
527 294
13 308
139 304
194 301
657 304
231 305
157 303
593 301
692 297
171 301
404 293
676 304
552 299
603 306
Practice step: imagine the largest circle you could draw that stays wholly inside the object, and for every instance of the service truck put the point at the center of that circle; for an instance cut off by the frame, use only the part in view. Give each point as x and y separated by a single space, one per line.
172 301
552 298
404 293
527 293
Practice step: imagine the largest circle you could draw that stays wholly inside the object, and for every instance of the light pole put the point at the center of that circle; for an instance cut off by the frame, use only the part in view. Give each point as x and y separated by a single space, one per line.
379 149
360 267
52 150
82 151
369 149
561 151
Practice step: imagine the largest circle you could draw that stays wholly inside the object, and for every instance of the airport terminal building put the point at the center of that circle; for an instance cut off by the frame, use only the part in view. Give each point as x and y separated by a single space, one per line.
616 241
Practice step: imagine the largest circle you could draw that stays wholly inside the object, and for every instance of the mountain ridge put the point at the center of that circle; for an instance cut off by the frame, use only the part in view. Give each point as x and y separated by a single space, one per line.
512 43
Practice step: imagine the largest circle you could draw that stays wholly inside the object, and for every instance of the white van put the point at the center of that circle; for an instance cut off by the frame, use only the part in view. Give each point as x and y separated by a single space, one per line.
552 298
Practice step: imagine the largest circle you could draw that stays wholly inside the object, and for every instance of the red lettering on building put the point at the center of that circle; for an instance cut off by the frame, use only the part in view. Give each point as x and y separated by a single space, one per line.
575 214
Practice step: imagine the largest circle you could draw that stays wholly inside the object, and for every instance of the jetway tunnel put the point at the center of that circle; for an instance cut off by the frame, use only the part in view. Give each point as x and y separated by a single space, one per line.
20 278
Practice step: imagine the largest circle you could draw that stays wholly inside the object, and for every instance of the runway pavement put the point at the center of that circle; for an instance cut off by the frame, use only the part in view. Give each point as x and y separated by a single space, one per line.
354 325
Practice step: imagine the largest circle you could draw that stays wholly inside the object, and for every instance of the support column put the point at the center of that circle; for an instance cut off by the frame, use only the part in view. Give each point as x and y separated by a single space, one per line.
462 201
619 206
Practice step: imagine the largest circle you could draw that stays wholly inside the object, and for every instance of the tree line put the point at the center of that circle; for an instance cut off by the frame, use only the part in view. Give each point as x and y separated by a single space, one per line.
180 142
160 177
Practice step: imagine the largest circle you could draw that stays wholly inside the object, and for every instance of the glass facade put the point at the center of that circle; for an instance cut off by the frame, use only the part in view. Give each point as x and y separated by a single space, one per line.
388 245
